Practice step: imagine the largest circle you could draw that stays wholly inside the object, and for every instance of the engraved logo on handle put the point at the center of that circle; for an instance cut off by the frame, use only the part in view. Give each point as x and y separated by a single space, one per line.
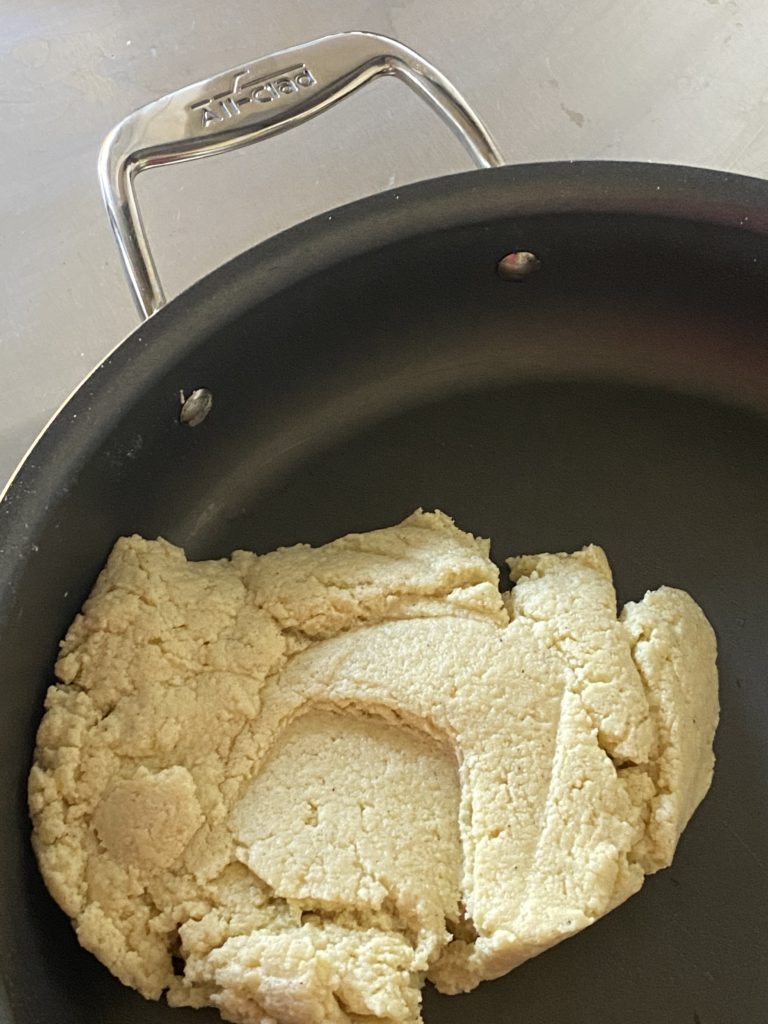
246 89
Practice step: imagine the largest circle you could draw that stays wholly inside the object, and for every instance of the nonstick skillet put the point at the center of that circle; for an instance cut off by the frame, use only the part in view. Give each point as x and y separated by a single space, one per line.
554 354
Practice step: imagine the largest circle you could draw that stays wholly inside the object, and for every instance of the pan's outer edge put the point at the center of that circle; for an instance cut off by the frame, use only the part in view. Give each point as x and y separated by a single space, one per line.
633 189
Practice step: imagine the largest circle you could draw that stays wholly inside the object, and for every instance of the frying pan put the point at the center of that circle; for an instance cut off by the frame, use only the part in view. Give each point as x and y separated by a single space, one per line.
375 359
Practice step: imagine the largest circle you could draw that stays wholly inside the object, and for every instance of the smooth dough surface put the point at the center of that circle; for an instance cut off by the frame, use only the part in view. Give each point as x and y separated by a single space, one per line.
317 776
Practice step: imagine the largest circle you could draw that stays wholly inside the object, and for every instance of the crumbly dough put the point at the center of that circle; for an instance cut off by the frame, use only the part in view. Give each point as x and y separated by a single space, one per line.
294 785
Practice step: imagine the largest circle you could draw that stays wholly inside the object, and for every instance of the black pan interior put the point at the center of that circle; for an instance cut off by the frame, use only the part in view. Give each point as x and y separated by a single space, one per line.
363 368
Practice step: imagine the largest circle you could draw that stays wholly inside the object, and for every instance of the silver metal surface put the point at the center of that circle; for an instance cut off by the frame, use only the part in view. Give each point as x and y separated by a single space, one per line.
251 102
683 82
195 408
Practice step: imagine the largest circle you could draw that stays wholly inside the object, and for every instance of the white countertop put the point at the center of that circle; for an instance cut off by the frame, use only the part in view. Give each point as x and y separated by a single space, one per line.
681 82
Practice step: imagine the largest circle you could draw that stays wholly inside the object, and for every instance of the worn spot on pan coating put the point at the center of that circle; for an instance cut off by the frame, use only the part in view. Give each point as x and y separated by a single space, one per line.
195 408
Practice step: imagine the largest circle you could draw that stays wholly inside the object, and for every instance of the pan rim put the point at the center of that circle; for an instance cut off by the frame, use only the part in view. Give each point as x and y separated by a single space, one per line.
625 188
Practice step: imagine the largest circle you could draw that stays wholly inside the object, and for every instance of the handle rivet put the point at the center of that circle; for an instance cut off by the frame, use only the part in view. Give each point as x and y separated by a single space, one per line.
195 408
517 266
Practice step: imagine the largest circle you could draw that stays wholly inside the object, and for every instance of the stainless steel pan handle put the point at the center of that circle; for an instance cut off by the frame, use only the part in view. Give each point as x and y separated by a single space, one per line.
252 102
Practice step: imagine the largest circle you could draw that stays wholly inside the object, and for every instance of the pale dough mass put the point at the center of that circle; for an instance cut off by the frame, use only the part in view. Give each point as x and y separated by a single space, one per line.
293 785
